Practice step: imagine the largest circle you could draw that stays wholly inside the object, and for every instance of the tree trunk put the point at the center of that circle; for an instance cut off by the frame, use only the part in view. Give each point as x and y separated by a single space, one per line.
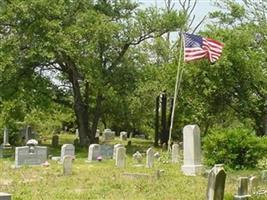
80 106
156 141
97 113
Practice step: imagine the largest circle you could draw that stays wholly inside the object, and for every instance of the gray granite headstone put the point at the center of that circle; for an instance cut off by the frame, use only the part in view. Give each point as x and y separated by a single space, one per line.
67 149
216 183
149 158
106 151
108 135
5 196
93 152
34 155
120 157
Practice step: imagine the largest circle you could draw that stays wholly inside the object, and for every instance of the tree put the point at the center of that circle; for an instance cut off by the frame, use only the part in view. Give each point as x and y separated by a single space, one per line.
81 42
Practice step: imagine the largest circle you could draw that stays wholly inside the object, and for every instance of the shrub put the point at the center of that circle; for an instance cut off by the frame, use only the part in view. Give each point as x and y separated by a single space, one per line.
237 148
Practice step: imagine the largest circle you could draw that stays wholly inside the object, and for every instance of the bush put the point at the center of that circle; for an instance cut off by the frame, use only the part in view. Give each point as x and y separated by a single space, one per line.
237 148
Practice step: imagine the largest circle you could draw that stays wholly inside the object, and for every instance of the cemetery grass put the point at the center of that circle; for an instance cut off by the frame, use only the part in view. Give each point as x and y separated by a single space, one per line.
102 180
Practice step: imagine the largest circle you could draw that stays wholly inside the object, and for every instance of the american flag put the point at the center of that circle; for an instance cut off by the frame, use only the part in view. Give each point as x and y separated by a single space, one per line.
196 47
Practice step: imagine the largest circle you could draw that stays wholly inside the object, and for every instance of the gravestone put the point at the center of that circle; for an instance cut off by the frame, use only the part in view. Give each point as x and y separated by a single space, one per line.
120 157
123 136
67 149
216 183
106 151
175 153
242 190
115 148
5 148
34 155
192 150
67 165
264 175
55 140
137 157
108 135
93 152
5 196
77 133
253 185
149 158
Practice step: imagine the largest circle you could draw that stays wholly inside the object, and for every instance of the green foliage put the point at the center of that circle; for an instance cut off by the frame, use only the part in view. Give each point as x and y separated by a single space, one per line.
237 148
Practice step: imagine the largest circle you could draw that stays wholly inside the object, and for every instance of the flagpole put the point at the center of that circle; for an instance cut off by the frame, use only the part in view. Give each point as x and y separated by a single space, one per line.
177 85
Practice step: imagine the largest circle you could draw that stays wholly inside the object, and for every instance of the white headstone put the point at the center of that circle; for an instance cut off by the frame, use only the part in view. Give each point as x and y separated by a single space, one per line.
93 152
253 185
5 141
175 153
150 158
97 133
216 183
67 149
242 190
120 157
108 135
77 133
115 148
137 156
123 136
192 150
67 164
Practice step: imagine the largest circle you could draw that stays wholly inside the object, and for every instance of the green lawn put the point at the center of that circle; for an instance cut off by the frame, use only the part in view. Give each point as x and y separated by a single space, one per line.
102 180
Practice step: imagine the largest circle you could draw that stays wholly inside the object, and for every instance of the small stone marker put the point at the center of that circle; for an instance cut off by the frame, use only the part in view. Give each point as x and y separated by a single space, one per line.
242 191
175 153
149 158
67 149
77 133
108 135
93 152
55 140
253 185
264 175
5 196
123 136
34 155
216 183
120 157
137 157
115 148
192 150
67 165
5 148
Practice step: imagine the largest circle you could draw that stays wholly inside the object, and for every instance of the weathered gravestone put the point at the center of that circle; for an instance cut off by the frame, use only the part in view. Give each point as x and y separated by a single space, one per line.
120 157
5 148
108 135
175 153
242 190
67 149
192 150
123 136
67 165
253 185
93 152
137 157
55 140
116 146
149 158
5 196
34 155
216 183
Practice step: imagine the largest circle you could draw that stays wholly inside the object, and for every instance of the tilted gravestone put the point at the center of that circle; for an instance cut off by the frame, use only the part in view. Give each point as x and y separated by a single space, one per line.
93 152
242 190
35 155
123 136
67 149
216 183
149 158
120 157
192 150
67 165
115 148
5 196
175 153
